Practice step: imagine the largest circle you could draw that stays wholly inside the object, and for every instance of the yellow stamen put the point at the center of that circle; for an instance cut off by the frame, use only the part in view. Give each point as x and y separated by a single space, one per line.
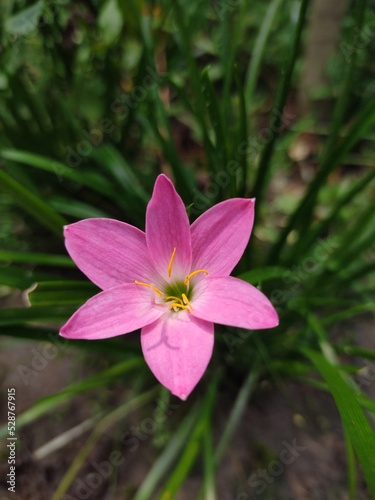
171 263
172 297
186 301
180 306
149 286
188 278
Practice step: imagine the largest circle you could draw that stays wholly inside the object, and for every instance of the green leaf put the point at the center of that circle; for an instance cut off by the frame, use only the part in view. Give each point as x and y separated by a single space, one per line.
49 403
277 110
130 193
117 415
209 487
114 346
258 50
32 204
213 108
258 276
92 180
168 456
192 448
25 22
237 411
46 259
76 209
357 426
302 214
110 21
62 293
18 316
20 278
351 461
356 351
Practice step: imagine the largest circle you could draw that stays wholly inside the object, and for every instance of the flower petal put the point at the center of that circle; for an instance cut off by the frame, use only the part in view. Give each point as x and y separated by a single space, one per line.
167 227
113 312
220 235
109 252
177 349
233 302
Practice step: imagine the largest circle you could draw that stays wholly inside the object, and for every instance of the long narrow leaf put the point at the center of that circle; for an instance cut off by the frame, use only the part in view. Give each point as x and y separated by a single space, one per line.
168 456
90 179
46 259
32 204
357 426
276 114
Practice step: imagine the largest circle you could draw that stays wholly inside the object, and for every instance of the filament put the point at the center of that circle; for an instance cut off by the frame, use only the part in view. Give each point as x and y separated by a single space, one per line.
171 262
149 286
188 278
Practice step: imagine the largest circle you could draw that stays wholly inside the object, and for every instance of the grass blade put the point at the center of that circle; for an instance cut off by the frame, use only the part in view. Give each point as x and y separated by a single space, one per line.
192 448
96 182
168 456
259 47
49 403
277 111
357 426
237 411
33 205
46 259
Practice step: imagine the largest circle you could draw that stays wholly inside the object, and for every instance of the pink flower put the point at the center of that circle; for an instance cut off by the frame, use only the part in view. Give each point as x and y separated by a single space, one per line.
172 281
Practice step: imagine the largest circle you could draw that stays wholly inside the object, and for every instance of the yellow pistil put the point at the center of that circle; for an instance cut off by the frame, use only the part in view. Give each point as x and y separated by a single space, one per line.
188 278
171 263
149 286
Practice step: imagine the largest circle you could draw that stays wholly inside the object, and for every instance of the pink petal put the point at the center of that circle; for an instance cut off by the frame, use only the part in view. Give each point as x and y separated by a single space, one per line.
233 302
177 349
109 252
113 312
220 235
167 227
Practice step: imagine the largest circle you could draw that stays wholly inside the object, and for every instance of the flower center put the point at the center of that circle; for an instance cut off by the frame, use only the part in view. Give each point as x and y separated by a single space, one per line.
177 294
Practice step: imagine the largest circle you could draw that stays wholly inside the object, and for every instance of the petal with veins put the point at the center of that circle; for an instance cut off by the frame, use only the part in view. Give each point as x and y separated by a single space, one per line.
109 252
220 235
167 227
233 302
119 310
178 348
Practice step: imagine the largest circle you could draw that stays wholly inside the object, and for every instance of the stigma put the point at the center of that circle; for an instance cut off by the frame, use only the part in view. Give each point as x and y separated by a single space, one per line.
180 298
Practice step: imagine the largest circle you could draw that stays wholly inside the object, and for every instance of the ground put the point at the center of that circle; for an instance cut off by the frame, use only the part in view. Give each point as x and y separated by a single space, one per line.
289 444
